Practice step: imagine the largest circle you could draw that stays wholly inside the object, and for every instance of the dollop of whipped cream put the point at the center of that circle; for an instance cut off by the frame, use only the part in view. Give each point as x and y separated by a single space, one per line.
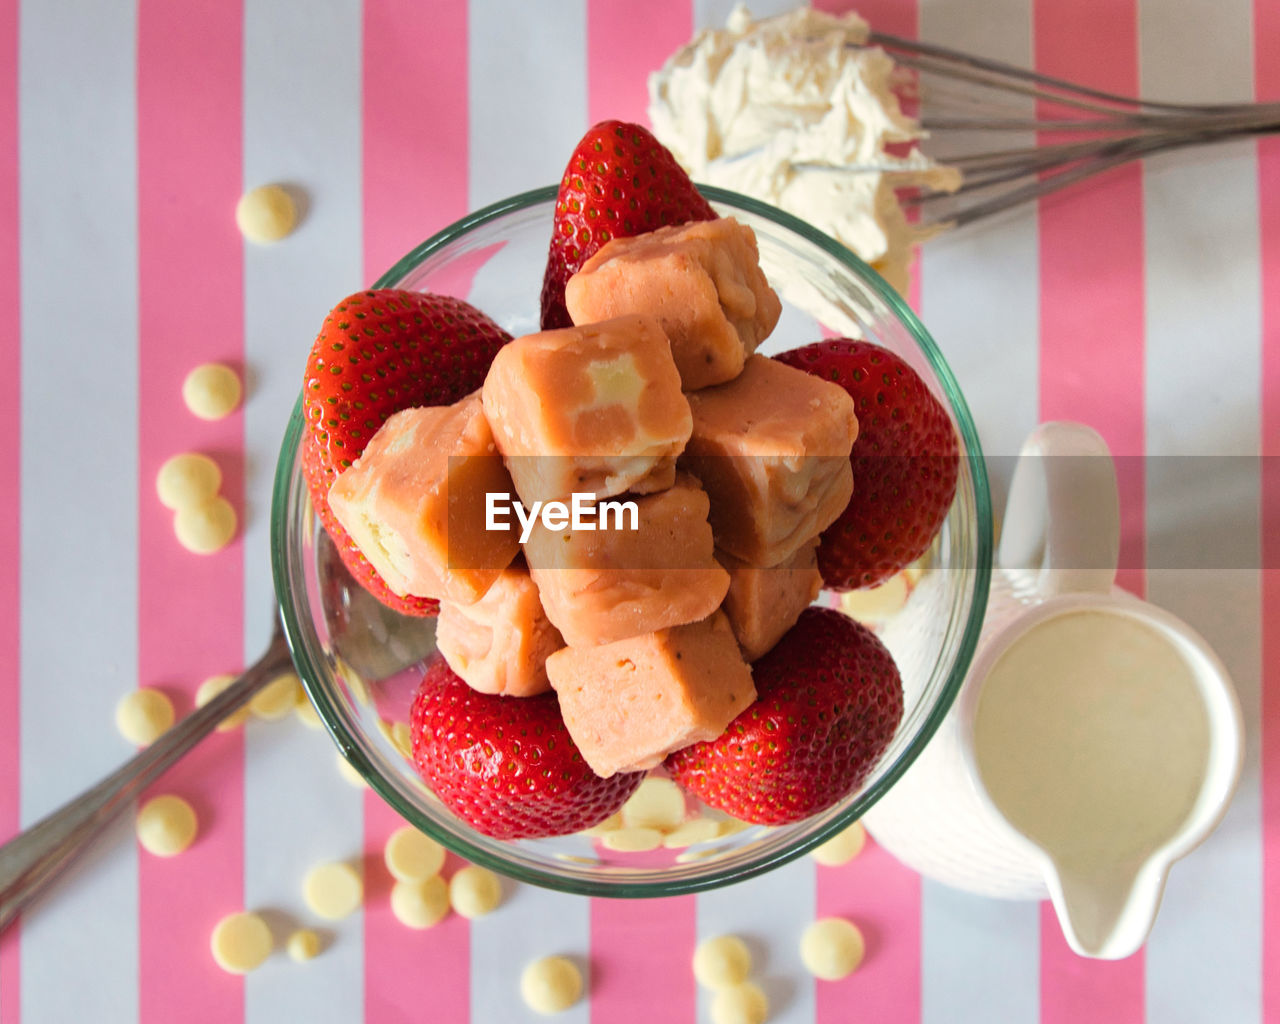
799 111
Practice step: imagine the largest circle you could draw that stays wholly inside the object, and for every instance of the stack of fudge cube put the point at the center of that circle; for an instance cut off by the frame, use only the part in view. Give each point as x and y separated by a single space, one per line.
735 463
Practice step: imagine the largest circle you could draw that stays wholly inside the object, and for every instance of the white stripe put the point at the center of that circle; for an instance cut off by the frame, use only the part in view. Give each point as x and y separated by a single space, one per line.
528 108
1203 343
770 913
531 923
980 298
302 126
78 167
713 14
528 89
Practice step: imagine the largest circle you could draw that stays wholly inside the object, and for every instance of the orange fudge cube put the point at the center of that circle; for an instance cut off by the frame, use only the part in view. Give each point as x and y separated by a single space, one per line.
702 281
591 410
764 602
629 704
771 448
605 584
500 643
414 502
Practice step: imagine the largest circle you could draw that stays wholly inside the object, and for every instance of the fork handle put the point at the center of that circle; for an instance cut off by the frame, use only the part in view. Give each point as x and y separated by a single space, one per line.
31 861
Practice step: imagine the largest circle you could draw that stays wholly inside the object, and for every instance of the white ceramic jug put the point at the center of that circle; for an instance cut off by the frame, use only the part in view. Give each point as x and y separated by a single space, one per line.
1096 738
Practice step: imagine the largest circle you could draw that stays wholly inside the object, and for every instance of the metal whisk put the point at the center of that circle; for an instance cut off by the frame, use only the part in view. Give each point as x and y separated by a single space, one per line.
1106 130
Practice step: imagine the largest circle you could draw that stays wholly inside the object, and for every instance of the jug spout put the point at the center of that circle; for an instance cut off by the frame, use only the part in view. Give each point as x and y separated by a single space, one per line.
1107 914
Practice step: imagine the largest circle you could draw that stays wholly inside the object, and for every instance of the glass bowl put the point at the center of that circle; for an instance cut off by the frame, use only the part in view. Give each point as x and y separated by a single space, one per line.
495 258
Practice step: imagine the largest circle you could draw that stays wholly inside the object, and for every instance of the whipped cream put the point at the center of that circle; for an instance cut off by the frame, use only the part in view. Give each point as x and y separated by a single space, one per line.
798 111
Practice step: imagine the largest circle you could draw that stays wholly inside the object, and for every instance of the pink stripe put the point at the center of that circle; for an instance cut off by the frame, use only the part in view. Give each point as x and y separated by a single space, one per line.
190 608
1266 33
1091 369
440 957
10 480
415 125
883 899
627 39
894 17
640 952
415 160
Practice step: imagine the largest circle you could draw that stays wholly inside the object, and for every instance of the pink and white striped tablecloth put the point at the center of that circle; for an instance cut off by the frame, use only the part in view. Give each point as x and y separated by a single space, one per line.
1147 305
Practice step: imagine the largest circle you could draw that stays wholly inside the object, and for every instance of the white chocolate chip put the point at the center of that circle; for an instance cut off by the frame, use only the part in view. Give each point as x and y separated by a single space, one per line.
697 830
631 839
266 214
212 391
310 717
550 984
143 716
402 739
333 891
721 962
420 904
304 944
348 771
277 698
841 847
832 948
741 1004
412 856
187 479
209 689
205 527
166 825
240 942
610 823
656 803
474 891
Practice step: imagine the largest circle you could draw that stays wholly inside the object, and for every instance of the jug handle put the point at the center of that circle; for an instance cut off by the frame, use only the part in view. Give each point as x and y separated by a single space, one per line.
1062 518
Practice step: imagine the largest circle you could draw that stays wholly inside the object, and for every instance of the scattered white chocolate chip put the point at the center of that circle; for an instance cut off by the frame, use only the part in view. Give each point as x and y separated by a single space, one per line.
420 904
696 830
266 214
610 823
412 856
832 948
209 689
187 479
656 803
333 891
212 391
348 771
742 1004
721 962
143 716
166 825
277 698
205 527
303 944
550 984
474 891
841 847
240 942
635 839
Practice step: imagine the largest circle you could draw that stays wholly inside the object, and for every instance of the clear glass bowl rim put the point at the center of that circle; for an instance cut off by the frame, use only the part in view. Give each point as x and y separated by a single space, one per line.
308 671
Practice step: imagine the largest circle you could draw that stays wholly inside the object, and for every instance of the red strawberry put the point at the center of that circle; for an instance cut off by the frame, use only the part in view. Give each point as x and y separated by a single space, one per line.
379 352
829 700
506 765
620 181
905 463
